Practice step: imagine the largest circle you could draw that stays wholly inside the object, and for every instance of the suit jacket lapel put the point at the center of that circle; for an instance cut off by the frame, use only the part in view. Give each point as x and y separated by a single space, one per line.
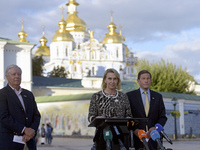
140 103
25 99
152 102
14 96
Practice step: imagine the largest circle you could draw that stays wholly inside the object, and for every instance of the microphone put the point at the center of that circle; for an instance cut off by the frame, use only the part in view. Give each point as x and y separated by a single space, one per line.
143 135
132 141
108 138
156 137
160 129
119 140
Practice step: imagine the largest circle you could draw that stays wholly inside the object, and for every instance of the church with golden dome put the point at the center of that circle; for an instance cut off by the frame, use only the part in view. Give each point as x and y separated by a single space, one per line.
74 47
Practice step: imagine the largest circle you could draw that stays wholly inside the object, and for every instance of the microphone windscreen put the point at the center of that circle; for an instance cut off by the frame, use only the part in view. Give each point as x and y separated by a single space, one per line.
108 135
155 135
142 134
159 127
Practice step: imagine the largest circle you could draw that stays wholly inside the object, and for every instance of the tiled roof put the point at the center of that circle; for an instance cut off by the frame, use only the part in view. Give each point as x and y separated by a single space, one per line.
126 86
180 96
55 81
74 97
9 41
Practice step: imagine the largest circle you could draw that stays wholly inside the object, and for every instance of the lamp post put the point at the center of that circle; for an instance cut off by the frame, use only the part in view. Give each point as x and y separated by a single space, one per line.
174 102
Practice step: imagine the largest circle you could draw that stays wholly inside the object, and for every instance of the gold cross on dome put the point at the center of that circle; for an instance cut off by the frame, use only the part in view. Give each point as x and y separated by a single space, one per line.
62 8
43 29
111 12
22 21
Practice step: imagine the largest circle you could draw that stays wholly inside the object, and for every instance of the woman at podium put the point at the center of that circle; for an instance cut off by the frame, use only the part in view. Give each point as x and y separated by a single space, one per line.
109 103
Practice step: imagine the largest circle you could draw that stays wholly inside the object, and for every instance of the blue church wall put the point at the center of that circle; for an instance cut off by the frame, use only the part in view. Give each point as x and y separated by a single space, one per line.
191 118
192 121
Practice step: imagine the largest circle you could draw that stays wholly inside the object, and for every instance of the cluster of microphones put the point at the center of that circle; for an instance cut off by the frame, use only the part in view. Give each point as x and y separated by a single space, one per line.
155 135
108 138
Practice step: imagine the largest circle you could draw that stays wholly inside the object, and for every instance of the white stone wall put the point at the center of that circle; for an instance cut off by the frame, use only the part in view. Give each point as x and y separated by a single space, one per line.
19 54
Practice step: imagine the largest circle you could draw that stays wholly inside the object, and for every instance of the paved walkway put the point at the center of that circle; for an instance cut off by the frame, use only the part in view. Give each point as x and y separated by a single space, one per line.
68 143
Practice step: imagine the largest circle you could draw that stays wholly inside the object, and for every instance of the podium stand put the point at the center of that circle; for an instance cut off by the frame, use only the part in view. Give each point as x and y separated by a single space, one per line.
116 125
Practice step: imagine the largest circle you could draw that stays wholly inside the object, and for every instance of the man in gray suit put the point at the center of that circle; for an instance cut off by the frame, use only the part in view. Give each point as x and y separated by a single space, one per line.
19 115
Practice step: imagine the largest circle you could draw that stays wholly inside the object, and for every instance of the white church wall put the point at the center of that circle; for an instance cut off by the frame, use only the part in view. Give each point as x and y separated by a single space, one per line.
10 52
113 48
19 54
2 66
79 37
91 82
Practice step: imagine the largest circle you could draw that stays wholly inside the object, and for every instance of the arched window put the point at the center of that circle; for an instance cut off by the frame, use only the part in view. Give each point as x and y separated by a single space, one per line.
79 46
57 50
93 69
66 51
92 54
106 56
117 52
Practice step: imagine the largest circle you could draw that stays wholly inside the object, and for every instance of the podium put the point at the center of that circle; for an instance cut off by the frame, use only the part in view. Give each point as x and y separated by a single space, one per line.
118 126
99 122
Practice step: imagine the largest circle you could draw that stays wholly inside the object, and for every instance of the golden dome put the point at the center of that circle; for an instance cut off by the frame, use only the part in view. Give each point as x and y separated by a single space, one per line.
22 35
43 50
74 23
112 36
62 34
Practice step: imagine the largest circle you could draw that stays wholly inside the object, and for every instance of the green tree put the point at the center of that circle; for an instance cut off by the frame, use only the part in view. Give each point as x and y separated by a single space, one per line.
167 77
58 72
37 64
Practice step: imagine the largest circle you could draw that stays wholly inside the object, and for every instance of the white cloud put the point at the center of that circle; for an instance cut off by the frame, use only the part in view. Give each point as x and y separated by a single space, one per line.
153 29
185 54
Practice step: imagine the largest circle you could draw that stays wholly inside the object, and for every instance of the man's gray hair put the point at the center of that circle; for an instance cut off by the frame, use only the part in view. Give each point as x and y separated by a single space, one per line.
12 66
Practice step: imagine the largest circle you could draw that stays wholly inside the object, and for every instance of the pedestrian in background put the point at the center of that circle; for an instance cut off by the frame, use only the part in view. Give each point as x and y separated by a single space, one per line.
43 134
49 134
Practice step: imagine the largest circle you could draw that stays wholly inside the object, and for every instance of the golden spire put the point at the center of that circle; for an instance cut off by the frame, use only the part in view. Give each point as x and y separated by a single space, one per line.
62 34
112 26
62 23
120 33
62 8
43 29
22 35
43 49
111 12
43 40
74 23
112 36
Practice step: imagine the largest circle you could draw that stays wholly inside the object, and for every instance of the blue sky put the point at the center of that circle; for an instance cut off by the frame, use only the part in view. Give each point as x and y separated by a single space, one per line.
153 29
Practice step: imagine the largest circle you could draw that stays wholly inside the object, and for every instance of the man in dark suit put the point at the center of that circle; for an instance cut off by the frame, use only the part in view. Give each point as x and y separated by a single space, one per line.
19 115
155 112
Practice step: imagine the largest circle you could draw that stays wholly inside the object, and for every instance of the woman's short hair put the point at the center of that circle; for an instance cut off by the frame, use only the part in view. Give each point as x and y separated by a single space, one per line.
111 70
